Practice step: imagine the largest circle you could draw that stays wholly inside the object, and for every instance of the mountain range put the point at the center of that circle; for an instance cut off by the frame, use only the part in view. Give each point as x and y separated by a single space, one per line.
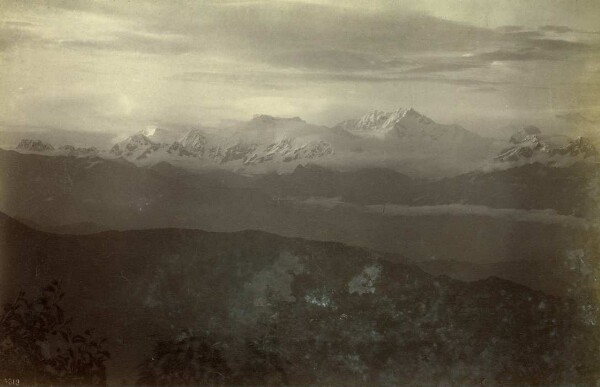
390 249
482 222
403 140
264 139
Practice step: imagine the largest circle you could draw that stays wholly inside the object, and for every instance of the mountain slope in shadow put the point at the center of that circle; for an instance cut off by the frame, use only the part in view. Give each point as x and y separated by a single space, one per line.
333 314
531 186
56 191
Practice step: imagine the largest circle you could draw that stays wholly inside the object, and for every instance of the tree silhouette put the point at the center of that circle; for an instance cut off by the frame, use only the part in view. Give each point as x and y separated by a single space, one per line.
38 346
185 361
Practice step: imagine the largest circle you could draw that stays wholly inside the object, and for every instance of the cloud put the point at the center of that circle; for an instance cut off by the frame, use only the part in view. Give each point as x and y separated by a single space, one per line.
524 34
443 66
12 35
309 36
520 47
71 111
522 54
319 37
557 45
327 59
18 24
557 29
482 89
509 29
547 216
200 58
277 77
576 118
134 42
112 9
456 81
283 25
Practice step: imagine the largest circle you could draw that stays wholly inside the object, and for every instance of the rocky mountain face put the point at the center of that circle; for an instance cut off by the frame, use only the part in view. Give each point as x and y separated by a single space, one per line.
581 146
38 146
29 145
530 145
407 124
70 150
291 311
408 131
523 134
136 147
263 140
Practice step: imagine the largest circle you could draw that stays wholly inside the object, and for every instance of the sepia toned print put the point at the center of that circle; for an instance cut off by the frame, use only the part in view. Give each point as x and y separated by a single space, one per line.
307 193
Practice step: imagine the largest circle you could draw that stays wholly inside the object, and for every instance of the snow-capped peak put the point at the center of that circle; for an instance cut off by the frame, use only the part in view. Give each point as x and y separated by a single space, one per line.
149 130
409 128
161 135
531 145
193 143
137 145
525 134
375 120
194 138
581 146
378 122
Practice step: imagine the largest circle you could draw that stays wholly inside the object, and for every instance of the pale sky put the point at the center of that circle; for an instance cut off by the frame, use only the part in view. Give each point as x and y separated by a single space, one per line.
119 66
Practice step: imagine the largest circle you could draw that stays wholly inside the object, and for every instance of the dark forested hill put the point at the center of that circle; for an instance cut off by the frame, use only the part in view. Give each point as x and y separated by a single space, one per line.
321 313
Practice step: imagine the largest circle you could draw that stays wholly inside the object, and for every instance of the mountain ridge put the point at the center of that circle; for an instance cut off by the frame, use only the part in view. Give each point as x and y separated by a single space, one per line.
404 140
530 145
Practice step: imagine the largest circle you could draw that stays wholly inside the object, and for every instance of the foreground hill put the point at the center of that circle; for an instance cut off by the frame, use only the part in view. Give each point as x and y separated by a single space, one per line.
323 313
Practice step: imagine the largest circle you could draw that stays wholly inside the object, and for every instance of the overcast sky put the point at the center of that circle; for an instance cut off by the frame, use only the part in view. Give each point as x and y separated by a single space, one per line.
121 65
